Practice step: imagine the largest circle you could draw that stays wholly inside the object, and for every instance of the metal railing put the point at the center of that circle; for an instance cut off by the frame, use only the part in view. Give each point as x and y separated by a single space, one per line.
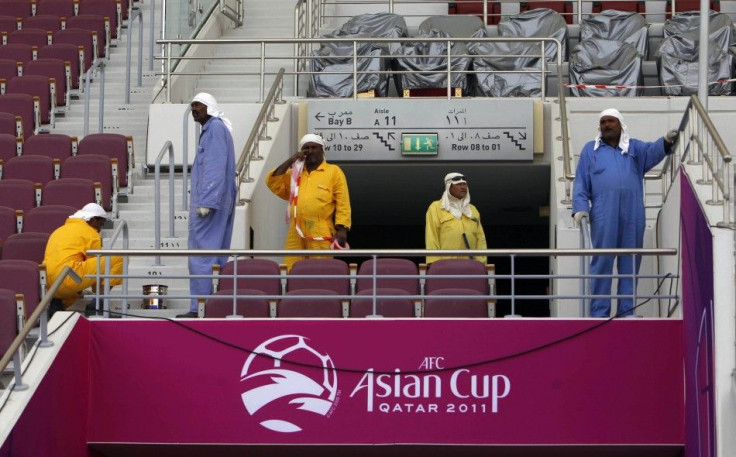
134 14
122 228
99 65
39 315
167 147
263 56
259 131
586 242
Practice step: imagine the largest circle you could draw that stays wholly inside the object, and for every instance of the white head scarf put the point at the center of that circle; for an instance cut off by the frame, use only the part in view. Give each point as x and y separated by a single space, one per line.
311 138
456 206
89 211
623 142
212 108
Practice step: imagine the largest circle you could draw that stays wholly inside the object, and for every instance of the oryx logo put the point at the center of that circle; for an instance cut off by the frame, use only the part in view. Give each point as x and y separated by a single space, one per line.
280 394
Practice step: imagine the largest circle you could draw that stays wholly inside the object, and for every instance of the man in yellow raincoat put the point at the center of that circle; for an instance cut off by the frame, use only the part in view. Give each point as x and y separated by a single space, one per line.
68 245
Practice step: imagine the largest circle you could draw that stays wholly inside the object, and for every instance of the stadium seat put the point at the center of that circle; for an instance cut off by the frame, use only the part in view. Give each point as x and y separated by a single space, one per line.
467 274
362 303
11 124
25 246
8 319
20 194
75 192
70 53
49 22
55 69
97 24
46 219
629 27
19 52
23 277
628 6
9 69
26 107
54 145
8 24
60 8
439 303
564 8
386 267
678 62
79 38
219 306
292 306
538 23
115 146
99 167
105 8
39 86
9 222
332 274
38 169
31 36
10 146
251 267
597 61
475 8
17 8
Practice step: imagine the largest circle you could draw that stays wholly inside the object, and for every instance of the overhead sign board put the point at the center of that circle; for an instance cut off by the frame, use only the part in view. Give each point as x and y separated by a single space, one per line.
456 129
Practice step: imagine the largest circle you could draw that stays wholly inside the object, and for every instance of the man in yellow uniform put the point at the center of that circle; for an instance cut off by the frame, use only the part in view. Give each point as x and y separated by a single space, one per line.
452 222
319 202
68 245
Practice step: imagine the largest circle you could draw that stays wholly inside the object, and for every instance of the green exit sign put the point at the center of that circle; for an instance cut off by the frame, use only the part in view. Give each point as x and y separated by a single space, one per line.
419 144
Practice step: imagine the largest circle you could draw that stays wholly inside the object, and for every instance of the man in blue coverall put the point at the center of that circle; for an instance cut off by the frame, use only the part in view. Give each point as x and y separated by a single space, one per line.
212 194
608 188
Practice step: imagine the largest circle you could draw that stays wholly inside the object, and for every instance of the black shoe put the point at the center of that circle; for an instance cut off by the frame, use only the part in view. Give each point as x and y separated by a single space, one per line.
91 309
189 315
54 306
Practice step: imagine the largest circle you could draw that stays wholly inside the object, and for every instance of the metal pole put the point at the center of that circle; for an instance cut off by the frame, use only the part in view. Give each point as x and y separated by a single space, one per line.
703 54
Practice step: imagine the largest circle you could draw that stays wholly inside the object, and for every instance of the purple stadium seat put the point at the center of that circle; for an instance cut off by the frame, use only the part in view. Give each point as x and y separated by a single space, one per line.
75 192
95 23
94 165
362 303
386 267
111 9
115 146
8 319
8 23
476 9
19 194
10 146
46 219
562 7
22 277
78 37
217 306
38 169
9 69
25 246
34 37
291 306
19 52
49 22
70 53
438 304
326 269
26 107
61 8
247 267
57 69
11 124
17 8
462 268
54 145
39 86
8 222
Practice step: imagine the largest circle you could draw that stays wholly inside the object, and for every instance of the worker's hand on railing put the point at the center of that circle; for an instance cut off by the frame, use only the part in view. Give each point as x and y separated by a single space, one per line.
671 136
577 217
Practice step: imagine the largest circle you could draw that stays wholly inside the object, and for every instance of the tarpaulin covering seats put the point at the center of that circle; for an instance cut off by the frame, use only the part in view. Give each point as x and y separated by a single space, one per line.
335 65
677 62
596 61
720 27
628 27
424 64
538 23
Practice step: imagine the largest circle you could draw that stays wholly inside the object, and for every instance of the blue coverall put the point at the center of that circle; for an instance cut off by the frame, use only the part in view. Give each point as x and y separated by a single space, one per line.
212 186
609 185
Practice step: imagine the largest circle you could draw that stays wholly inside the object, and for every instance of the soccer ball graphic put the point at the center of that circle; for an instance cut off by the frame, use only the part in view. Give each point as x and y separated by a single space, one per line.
279 393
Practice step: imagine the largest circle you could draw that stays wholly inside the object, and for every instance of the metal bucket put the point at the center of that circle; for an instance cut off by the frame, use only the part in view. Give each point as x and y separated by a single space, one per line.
155 291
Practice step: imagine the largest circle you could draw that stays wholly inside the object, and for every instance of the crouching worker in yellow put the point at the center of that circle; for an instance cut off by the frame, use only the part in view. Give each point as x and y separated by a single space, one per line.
68 245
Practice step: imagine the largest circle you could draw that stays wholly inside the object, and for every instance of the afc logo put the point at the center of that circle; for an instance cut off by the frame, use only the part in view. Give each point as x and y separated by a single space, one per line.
432 363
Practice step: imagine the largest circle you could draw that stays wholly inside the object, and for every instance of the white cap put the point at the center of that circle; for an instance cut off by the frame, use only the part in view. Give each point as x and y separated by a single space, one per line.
90 211
311 138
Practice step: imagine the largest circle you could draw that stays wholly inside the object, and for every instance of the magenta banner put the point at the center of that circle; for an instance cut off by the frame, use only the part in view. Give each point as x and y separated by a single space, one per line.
492 382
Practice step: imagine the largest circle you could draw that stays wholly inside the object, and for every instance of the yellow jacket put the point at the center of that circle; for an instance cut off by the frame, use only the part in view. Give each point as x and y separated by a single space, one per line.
444 231
68 245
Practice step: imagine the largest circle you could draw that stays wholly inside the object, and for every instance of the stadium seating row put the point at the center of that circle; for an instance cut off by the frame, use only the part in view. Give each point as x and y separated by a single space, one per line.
39 219
116 11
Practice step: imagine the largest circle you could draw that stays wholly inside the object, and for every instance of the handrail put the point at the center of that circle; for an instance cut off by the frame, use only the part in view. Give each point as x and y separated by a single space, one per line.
136 13
586 242
121 228
97 64
168 146
250 150
12 352
234 14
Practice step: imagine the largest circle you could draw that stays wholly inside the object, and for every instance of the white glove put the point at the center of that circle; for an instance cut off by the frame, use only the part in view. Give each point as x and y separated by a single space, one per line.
577 217
202 211
671 136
